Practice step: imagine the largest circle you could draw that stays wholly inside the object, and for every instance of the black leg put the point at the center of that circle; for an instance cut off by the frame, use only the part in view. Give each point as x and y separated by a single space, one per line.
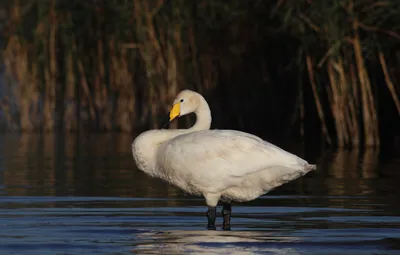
226 214
211 213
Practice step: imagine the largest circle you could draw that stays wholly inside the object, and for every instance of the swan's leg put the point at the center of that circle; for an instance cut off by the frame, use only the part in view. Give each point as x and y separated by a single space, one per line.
211 215
211 201
226 214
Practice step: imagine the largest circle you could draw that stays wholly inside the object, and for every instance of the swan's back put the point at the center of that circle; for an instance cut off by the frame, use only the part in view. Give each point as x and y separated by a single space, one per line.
216 160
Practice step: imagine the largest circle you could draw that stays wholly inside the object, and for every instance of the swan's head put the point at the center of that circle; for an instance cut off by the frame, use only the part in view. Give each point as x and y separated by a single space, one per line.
185 102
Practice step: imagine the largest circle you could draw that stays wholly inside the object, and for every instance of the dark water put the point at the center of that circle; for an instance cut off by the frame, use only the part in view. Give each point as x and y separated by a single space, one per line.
64 195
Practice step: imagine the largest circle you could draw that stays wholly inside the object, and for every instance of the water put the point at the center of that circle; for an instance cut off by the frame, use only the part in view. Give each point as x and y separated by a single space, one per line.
69 195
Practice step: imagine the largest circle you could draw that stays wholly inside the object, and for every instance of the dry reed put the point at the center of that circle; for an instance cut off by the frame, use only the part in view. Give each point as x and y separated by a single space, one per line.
95 72
117 66
350 92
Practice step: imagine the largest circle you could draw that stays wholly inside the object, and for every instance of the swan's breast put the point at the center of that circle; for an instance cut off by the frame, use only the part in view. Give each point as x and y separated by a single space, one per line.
144 149
138 153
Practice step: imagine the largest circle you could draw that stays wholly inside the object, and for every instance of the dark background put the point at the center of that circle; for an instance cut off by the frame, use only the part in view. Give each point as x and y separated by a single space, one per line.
106 66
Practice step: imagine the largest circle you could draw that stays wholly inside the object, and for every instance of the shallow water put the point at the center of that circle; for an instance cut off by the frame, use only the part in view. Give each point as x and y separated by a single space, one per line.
68 195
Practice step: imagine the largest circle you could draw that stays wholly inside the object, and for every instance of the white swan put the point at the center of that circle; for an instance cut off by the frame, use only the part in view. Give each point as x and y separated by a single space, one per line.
224 165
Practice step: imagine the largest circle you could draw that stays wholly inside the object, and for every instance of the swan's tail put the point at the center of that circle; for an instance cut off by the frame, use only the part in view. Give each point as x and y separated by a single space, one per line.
310 167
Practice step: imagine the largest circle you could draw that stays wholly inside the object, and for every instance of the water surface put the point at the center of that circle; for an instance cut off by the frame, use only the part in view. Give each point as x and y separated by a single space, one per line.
63 194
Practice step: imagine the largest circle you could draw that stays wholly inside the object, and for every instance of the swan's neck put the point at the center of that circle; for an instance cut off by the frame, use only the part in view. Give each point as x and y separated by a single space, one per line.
203 117
145 146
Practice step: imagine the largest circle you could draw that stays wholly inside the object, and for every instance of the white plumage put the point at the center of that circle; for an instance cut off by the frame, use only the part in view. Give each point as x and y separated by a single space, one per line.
224 165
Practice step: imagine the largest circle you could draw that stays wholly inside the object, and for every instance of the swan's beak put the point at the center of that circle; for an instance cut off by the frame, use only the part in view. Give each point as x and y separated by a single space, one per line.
173 114
175 111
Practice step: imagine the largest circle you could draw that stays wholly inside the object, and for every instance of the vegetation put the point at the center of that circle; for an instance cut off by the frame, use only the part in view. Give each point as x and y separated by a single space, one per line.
116 65
345 38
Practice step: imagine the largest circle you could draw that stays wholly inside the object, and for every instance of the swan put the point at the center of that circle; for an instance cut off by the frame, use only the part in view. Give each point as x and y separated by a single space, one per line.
220 165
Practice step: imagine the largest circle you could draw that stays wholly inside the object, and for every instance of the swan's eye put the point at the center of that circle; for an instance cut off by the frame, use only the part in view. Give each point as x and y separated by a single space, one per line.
182 100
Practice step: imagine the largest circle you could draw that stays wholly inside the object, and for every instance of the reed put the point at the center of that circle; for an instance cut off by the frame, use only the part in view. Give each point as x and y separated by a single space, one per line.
334 28
116 65
94 73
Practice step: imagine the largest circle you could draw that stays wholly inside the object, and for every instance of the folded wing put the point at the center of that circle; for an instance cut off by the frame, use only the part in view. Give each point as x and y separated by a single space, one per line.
222 158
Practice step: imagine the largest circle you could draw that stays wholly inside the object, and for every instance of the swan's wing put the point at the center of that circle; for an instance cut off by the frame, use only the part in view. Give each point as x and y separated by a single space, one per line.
223 155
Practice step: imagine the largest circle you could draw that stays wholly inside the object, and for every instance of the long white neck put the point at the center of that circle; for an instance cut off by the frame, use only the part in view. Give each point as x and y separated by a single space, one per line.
144 147
203 117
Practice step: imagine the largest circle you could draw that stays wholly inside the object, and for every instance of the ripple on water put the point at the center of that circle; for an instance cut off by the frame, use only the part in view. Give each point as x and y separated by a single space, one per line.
93 225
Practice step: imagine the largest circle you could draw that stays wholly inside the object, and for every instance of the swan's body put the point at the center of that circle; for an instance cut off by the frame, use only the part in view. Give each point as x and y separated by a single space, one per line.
224 165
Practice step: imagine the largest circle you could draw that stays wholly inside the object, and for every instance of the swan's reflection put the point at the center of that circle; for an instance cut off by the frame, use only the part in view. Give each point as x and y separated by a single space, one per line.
212 242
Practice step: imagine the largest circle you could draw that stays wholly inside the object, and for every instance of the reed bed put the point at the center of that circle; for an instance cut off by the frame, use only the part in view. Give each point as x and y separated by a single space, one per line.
340 39
116 65
98 58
